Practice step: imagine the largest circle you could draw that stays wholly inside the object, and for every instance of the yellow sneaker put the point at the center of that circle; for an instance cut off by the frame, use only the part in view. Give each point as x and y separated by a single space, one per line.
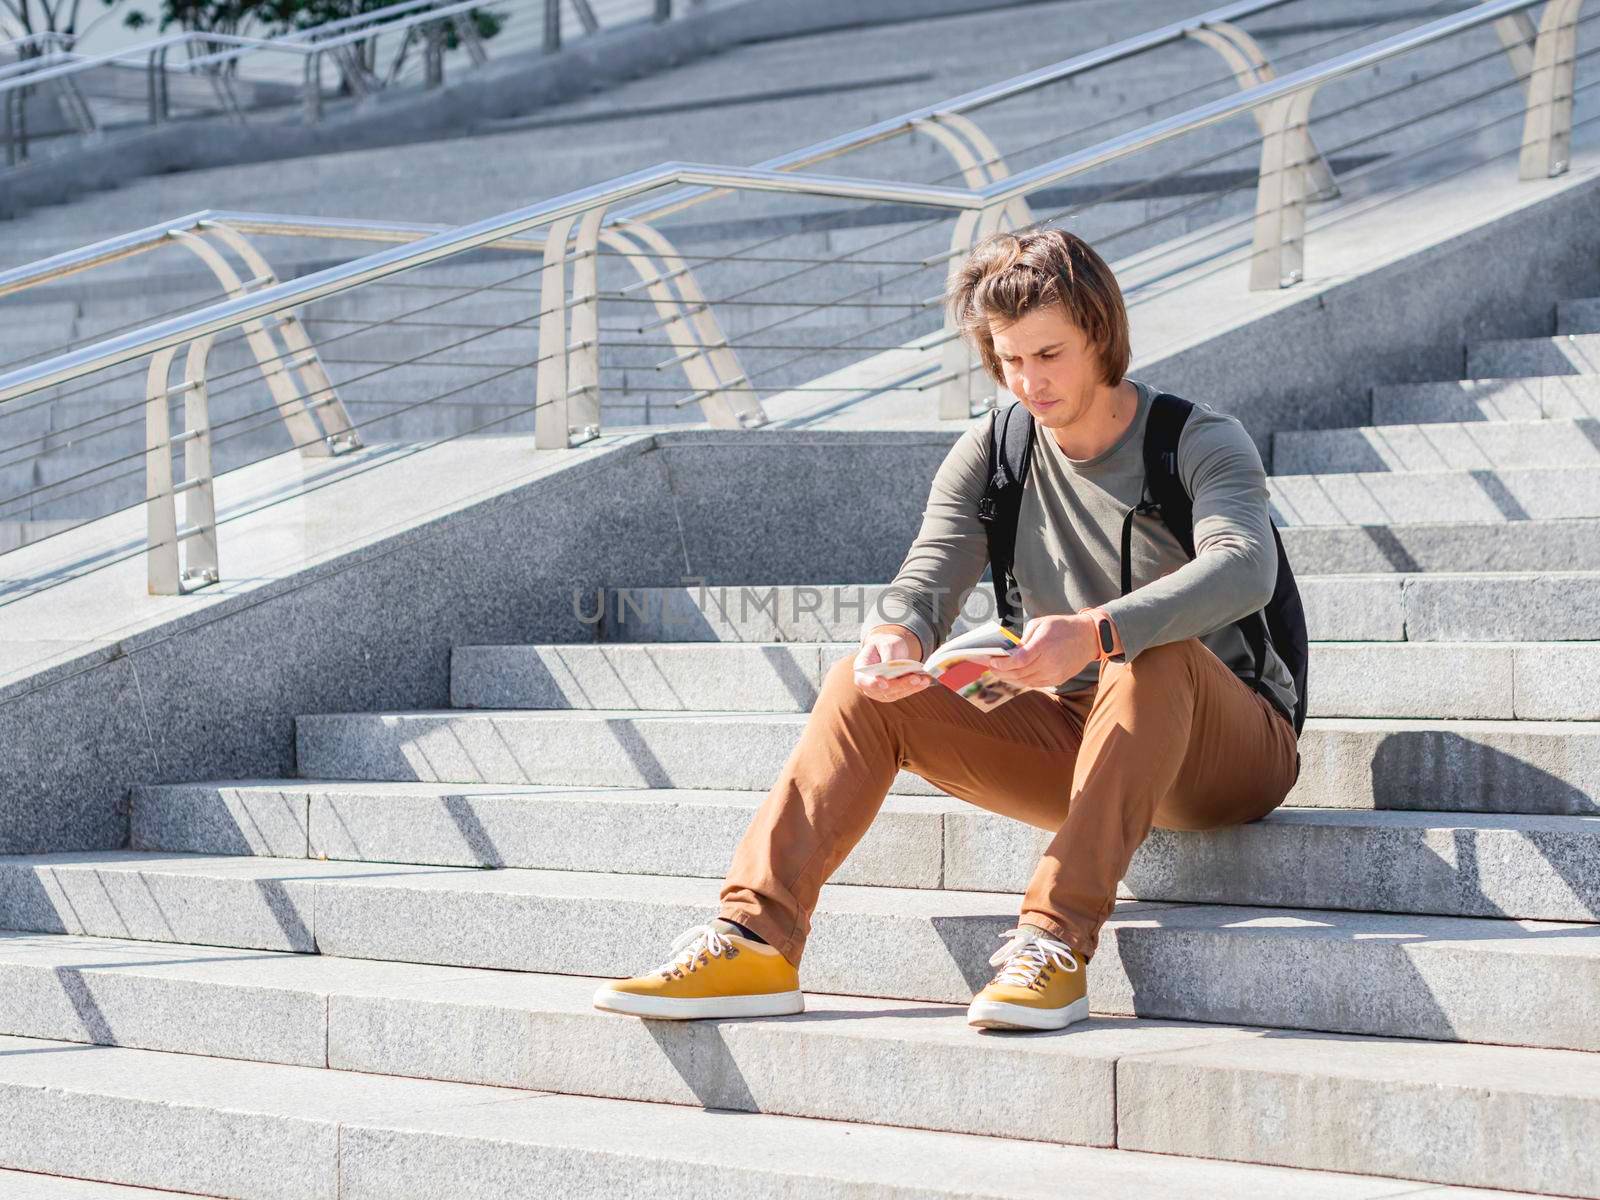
1041 985
711 974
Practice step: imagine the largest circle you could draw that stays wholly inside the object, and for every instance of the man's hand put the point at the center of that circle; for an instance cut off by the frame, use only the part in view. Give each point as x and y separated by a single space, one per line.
1053 650
880 645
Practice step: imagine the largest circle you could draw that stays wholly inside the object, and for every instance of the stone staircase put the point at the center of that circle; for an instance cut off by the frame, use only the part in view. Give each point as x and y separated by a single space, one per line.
360 981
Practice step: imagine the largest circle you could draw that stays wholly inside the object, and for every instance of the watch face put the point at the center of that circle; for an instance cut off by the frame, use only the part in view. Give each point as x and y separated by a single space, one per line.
1106 641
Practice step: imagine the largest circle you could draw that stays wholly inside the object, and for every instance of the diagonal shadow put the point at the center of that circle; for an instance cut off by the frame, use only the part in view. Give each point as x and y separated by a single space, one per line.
480 845
75 986
1389 546
1499 495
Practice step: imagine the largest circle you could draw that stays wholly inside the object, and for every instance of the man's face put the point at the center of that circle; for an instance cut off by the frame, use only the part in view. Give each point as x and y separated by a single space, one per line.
1048 364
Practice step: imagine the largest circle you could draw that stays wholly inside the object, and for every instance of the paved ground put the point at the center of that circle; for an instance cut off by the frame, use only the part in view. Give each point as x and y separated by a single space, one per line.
738 107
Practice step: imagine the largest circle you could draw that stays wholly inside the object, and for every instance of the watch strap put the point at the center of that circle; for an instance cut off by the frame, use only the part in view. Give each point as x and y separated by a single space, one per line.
1107 644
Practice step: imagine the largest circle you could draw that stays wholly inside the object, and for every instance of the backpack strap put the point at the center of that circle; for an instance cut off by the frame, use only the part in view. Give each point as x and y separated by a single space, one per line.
1011 434
1168 416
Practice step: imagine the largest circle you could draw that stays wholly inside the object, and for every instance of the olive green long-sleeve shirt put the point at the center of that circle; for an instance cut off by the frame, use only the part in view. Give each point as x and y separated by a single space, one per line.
1069 535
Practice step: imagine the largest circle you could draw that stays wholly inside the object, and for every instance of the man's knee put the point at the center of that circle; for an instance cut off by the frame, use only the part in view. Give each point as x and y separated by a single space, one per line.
1155 664
839 682
842 671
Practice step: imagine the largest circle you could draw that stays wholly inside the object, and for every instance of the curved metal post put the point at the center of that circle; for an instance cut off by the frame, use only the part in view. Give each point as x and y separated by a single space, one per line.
313 88
398 62
973 173
955 357
550 428
586 17
552 26
1251 66
1547 127
16 125
76 103
198 485
1017 210
467 33
1278 259
160 504
677 326
976 155
432 54
583 363
150 88
164 87
351 60
735 404
1518 33
275 366
322 398
227 98
156 84
165 573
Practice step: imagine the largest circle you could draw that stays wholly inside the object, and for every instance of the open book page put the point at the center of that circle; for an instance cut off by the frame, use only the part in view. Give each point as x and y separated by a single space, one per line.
959 666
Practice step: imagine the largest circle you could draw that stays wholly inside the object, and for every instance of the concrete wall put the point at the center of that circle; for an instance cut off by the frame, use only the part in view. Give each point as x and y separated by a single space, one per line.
215 696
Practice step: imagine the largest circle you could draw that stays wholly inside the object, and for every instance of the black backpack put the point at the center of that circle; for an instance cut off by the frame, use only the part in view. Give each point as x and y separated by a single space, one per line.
1284 618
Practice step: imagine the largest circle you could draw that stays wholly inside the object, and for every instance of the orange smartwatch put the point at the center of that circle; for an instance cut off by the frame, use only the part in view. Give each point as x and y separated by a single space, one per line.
1107 644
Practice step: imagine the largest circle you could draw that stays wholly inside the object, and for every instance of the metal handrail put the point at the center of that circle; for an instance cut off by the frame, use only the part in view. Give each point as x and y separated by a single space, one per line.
18 45
123 245
316 31
334 280
126 245
341 278
971 101
27 66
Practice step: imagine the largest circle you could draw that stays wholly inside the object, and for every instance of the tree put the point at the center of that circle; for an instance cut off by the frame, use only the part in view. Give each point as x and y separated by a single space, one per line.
268 18
24 18
209 16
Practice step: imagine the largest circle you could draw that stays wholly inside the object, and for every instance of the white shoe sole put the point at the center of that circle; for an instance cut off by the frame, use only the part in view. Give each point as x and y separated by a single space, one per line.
768 1004
996 1014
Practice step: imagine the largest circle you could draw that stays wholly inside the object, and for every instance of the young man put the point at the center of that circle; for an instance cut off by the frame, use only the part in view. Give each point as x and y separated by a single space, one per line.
1164 729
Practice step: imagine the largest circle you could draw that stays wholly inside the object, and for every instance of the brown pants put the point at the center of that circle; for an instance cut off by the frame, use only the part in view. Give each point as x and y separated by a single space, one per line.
1173 739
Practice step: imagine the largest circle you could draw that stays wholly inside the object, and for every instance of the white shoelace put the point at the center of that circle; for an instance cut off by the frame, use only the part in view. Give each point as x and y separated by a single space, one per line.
690 944
1026 954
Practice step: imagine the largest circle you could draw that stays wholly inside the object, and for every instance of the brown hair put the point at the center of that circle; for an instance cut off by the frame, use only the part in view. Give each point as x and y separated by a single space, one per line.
1008 275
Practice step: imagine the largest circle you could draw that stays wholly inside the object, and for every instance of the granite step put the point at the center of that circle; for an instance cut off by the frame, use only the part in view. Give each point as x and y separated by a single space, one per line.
1578 316
1403 494
1510 451
1452 864
32 331
1542 681
435 340
1437 607
1534 545
1531 398
1564 354
874 1061
27 1185
304 1133
1466 979
1465 766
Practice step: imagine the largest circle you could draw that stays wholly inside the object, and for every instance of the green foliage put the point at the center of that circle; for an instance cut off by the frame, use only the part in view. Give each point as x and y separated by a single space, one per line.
486 23
269 17
203 16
